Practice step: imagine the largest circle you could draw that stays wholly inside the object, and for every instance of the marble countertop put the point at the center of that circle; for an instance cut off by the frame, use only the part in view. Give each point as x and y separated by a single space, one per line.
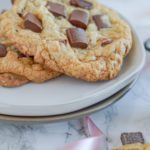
131 113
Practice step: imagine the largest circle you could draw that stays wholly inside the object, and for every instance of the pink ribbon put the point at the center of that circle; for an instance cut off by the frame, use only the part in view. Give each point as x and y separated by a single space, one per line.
95 141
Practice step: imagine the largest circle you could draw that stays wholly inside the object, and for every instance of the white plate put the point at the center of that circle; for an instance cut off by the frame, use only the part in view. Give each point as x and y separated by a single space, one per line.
77 114
64 94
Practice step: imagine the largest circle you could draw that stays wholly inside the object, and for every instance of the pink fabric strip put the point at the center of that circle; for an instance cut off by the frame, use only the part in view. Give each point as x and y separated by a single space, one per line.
95 141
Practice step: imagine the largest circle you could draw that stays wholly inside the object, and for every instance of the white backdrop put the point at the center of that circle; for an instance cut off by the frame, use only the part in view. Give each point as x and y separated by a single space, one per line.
137 11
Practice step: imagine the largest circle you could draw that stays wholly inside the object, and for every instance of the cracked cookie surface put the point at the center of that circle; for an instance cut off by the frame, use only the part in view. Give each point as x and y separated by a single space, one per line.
17 69
12 80
102 53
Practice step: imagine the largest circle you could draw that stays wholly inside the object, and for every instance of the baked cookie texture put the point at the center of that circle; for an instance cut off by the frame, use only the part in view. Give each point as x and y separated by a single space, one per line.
135 147
52 49
17 69
12 80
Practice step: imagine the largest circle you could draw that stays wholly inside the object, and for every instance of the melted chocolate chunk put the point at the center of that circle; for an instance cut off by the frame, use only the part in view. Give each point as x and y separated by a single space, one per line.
99 22
3 50
20 55
12 1
132 138
20 15
81 3
77 38
31 22
73 2
56 9
79 19
106 42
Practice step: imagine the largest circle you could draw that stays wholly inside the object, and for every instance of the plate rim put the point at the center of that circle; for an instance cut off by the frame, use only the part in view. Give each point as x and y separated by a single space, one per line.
73 115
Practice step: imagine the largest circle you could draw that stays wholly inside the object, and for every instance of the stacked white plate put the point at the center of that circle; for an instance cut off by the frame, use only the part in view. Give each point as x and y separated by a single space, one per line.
66 95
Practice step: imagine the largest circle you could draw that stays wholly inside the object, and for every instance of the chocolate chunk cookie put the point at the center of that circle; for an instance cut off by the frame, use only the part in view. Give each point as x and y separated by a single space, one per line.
17 69
96 38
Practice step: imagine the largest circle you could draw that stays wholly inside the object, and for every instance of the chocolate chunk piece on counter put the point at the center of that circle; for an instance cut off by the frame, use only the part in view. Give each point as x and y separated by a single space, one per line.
106 42
79 19
56 9
99 22
77 38
3 50
132 138
82 4
31 22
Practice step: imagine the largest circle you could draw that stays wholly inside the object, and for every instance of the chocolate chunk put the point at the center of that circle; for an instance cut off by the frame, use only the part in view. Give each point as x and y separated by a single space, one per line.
106 42
147 45
31 57
31 22
12 1
77 38
81 3
73 2
79 19
3 50
20 55
56 9
20 15
99 22
132 138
